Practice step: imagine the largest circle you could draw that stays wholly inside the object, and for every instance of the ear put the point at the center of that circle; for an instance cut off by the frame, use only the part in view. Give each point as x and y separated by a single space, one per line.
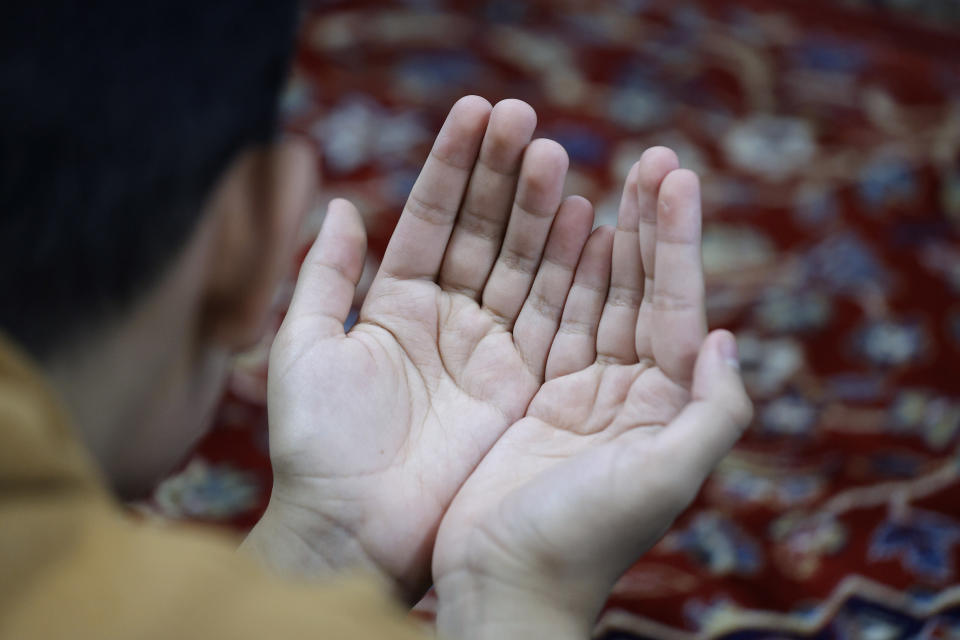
257 209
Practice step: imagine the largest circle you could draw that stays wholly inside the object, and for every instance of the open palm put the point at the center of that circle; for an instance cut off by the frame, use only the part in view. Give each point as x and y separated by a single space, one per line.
374 431
636 409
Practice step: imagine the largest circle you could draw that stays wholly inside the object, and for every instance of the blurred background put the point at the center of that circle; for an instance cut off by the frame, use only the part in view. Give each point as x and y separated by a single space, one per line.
827 135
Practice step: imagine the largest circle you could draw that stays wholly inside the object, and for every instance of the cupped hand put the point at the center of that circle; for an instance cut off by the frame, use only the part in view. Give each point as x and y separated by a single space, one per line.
374 431
636 410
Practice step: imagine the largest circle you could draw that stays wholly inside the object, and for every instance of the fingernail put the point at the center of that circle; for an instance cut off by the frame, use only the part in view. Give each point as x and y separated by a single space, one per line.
728 349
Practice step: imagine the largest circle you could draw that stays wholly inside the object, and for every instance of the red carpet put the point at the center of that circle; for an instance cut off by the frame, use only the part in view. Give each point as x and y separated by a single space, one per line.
828 138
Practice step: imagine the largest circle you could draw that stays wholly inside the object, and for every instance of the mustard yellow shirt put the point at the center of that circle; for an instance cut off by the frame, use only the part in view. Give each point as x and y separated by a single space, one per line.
74 565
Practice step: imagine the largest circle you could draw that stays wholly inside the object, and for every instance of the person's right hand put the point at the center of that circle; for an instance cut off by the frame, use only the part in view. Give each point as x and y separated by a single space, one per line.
637 408
372 432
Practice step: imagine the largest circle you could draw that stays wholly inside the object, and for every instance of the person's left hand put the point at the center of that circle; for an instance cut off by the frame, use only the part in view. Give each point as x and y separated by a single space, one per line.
636 410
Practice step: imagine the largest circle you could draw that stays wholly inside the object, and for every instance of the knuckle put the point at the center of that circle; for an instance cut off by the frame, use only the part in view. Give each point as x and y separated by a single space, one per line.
576 326
478 224
544 306
673 302
743 413
429 212
622 296
738 411
516 259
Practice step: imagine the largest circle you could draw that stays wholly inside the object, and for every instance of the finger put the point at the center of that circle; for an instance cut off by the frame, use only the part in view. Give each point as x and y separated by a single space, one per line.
539 192
679 309
482 220
575 346
331 270
418 243
616 335
655 164
539 318
719 413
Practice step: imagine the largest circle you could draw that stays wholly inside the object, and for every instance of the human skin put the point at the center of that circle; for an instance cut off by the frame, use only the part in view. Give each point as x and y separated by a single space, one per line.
500 339
511 371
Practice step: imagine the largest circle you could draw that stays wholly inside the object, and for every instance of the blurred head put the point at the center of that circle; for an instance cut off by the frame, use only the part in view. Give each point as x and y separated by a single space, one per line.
147 207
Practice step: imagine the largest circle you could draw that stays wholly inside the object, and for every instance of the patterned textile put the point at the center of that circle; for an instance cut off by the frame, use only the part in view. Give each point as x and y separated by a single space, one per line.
827 135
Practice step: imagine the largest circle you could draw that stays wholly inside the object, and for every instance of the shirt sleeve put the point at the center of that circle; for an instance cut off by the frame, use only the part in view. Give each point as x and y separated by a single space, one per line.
109 577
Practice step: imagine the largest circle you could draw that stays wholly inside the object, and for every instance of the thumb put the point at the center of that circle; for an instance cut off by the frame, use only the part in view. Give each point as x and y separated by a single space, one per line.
719 412
331 270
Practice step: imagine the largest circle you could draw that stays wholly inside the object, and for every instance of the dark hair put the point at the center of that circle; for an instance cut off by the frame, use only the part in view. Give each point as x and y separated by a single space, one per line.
116 119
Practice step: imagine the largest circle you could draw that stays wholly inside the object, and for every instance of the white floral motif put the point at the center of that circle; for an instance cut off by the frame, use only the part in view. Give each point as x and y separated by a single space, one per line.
771 147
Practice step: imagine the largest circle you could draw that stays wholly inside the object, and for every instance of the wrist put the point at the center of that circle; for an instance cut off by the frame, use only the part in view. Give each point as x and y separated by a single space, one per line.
303 534
297 542
475 607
